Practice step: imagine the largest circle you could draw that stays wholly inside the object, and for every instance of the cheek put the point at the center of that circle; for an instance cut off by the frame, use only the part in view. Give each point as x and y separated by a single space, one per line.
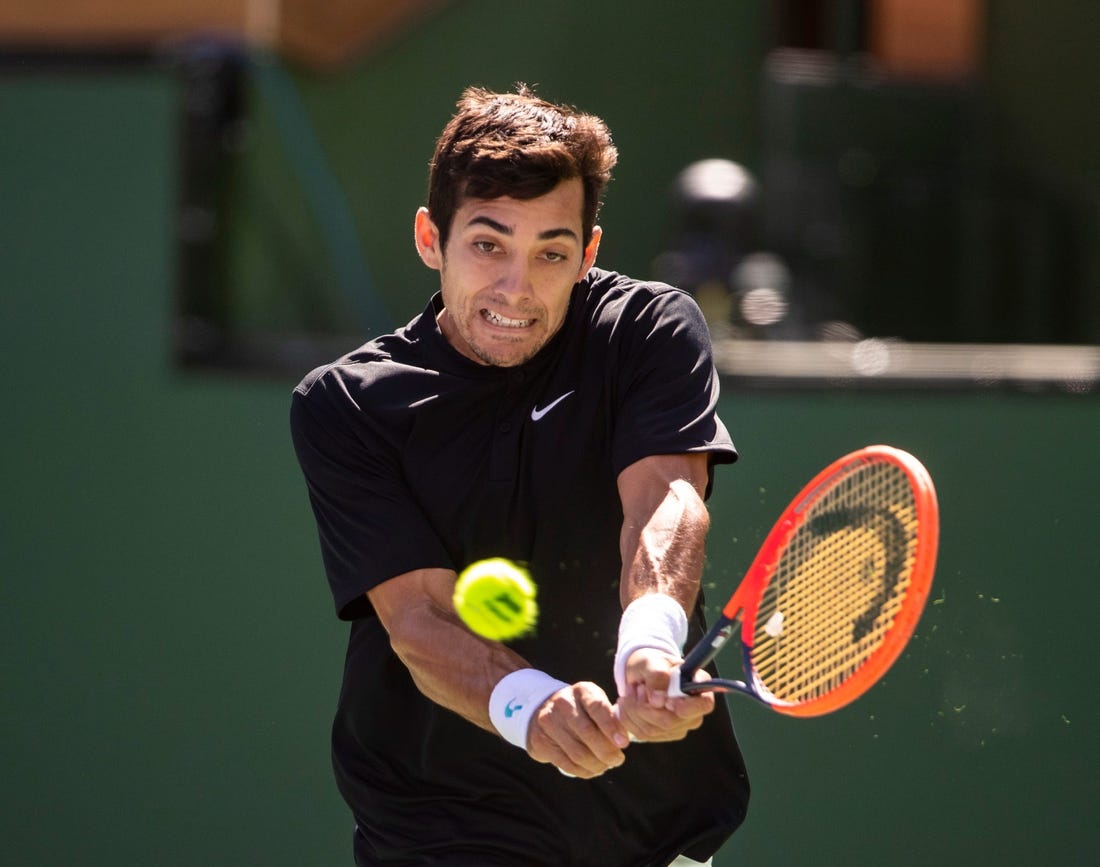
556 311
464 278
451 283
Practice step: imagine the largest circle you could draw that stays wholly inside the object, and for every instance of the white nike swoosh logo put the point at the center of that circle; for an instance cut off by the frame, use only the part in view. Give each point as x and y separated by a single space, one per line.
537 413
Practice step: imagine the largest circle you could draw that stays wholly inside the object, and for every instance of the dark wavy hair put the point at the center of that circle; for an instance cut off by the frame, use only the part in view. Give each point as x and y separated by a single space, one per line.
517 145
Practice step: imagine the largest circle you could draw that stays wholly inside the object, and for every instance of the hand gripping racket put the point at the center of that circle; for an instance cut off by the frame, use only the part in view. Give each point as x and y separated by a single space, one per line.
836 590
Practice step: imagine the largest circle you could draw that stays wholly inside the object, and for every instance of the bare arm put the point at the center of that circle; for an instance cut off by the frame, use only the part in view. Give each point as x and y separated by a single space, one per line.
665 524
449 664
575 729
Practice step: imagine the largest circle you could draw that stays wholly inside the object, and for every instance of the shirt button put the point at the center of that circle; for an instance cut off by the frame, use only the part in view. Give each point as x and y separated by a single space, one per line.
518 376
505 426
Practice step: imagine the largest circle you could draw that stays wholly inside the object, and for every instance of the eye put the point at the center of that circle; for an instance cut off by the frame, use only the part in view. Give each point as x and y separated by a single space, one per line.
485 246
555 256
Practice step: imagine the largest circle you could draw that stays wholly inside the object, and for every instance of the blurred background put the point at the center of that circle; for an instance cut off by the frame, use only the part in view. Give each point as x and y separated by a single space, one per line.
889 211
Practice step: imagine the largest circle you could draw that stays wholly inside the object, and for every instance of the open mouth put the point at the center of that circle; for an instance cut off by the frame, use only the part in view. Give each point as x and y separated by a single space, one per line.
503 321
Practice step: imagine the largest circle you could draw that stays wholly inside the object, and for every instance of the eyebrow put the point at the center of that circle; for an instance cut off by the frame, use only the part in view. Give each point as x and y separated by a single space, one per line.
548 235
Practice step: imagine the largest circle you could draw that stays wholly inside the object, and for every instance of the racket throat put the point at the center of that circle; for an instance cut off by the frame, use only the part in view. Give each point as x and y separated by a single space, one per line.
701 655
705 651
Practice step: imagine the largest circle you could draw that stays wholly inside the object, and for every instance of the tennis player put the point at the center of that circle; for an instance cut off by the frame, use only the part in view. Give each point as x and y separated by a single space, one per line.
560 415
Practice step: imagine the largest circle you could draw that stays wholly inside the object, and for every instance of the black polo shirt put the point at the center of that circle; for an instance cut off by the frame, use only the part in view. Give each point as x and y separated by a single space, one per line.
417 457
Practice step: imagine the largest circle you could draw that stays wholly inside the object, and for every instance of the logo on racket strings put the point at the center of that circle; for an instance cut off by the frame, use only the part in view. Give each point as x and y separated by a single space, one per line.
890 531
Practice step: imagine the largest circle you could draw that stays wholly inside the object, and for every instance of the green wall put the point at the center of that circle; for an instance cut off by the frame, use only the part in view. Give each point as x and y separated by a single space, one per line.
171 660
976 748
674 86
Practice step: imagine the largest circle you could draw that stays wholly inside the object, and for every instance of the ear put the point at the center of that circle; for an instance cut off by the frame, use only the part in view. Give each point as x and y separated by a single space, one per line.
427 240
590 252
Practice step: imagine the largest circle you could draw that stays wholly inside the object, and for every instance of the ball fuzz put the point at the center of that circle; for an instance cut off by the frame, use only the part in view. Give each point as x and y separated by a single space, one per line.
496 599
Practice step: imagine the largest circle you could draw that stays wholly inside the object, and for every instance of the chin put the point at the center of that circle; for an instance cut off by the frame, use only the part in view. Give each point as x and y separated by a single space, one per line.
507 357
507 353
498 359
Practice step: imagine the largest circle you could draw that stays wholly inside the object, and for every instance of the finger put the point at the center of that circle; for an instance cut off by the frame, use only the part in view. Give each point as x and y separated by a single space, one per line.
583 758
589 745
596 727
561 760
670 722
697 703
692 706
576 730
573 760
645 722
650 673
651 694
670 729
611 725
700 675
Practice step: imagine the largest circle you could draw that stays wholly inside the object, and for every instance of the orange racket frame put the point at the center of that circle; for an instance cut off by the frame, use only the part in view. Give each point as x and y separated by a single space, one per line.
744 604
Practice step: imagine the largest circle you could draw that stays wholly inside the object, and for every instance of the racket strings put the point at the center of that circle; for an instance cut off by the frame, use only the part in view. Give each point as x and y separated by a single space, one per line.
838 584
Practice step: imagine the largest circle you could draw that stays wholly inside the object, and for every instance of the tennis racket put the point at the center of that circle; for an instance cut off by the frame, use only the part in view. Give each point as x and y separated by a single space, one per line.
836 590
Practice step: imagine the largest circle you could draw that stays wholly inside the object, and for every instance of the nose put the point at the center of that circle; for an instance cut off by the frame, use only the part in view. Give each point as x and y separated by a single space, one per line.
515 281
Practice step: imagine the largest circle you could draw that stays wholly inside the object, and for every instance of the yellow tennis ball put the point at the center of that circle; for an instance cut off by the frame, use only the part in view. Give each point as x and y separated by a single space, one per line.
496 599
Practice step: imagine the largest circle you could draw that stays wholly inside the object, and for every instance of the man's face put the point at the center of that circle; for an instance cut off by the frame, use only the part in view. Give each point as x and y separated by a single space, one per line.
508 270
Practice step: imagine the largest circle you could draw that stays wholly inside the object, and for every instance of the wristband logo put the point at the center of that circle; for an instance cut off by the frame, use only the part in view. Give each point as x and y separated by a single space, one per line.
511 709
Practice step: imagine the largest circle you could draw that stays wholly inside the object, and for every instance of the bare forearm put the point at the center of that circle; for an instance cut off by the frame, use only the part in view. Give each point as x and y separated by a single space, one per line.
663 537
663 541
572 726
449 664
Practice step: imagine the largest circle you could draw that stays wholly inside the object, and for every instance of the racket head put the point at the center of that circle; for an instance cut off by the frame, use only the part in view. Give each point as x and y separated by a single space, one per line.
840 582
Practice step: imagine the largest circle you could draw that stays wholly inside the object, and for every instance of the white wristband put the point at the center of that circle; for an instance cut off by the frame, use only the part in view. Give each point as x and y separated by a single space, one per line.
516 698
655 620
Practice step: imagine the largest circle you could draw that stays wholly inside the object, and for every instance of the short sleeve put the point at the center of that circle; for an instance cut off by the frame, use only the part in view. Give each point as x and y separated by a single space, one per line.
667 386
369 526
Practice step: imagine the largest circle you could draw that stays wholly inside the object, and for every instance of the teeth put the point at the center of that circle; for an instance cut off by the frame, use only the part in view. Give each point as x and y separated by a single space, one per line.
504 321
